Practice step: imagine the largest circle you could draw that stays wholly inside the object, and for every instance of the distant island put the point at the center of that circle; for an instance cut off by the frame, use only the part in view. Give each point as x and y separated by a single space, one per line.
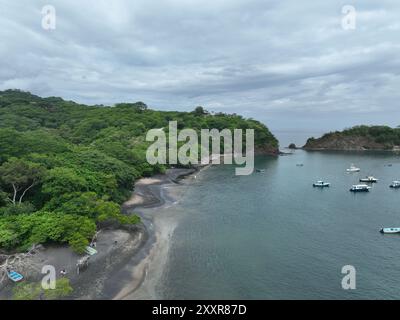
358 138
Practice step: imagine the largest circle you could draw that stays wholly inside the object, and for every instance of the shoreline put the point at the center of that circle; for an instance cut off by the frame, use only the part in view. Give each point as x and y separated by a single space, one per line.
124 253
151 196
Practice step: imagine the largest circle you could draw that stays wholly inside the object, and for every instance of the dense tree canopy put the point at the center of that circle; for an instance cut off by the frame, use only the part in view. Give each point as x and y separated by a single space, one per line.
66 167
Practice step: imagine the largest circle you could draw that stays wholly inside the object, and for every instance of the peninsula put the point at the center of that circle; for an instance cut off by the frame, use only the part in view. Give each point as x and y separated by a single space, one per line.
358 138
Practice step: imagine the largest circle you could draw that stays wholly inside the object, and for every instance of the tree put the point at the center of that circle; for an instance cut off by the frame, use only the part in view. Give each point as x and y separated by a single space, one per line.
59 181
20 176
63 289
34 290
199 111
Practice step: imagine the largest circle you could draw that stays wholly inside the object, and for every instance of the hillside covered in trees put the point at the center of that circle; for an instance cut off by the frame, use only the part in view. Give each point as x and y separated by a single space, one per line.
358 138
65 168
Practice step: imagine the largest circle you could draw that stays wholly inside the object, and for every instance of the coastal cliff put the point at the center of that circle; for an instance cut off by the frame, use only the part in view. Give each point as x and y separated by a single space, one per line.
358 138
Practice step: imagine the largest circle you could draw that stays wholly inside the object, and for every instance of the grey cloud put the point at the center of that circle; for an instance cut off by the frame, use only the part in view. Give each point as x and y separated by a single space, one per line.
270 60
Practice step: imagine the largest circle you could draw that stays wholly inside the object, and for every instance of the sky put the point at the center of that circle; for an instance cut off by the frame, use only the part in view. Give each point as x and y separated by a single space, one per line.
289 64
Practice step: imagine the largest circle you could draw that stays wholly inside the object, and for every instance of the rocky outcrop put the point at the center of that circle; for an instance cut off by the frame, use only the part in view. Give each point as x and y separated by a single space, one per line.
267 149
338 141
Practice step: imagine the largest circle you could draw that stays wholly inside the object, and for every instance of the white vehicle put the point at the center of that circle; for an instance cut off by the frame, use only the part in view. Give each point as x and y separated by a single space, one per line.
360 188
390 230
370 179
395 184
353 168
321 184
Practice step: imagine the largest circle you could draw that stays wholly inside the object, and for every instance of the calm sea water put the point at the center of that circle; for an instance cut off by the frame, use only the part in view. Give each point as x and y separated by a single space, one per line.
273 236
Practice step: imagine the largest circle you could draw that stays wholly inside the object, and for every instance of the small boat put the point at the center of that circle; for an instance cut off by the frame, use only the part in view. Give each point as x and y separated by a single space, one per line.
353 168
390 230
260 170
395 184
360 188
90 251
369 179
15 276
321 184
300 165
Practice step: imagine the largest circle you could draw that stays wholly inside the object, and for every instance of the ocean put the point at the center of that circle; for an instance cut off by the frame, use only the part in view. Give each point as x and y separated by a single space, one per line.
271 235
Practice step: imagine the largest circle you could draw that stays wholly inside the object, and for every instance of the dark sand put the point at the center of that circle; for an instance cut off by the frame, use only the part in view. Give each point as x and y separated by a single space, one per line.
119 269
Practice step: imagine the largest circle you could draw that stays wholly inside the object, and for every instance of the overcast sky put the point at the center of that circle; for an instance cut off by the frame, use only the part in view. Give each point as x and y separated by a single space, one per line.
289 64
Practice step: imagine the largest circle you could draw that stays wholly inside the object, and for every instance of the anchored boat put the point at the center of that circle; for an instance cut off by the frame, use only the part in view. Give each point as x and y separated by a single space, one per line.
395 184
321 184
360 188
390 230
369 179
353 168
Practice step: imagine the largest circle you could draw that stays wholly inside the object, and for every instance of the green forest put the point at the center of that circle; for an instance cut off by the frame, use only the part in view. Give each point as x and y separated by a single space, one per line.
65 167
385 135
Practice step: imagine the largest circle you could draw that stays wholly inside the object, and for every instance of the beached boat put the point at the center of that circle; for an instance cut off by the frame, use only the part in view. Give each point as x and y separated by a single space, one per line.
321 184
369 179
90 251
390 230
360 188
353 168
15 276
395 184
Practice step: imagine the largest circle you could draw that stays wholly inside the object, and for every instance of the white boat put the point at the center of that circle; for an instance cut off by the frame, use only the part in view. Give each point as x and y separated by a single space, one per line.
353 168
360 188
395 184
390 230
321 184
370 179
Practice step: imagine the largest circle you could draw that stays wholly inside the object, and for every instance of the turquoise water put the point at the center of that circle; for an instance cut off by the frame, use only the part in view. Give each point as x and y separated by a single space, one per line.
272 235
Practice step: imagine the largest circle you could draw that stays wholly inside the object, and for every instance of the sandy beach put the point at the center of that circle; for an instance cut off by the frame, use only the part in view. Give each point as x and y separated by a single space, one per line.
120 269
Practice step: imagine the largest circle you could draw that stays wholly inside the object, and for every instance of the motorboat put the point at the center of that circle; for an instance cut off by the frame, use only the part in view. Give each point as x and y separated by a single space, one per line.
390 230
395 184
321 184
360 188
369 179
353 168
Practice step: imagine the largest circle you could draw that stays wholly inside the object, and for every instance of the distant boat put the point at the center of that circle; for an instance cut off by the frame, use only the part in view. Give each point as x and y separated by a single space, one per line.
300 165
353 168
369 179
360 188
321 184
260 170
395 184
14 276
390 230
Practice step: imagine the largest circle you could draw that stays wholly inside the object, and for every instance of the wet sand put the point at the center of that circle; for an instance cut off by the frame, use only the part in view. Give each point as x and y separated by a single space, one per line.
124 254
138 278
